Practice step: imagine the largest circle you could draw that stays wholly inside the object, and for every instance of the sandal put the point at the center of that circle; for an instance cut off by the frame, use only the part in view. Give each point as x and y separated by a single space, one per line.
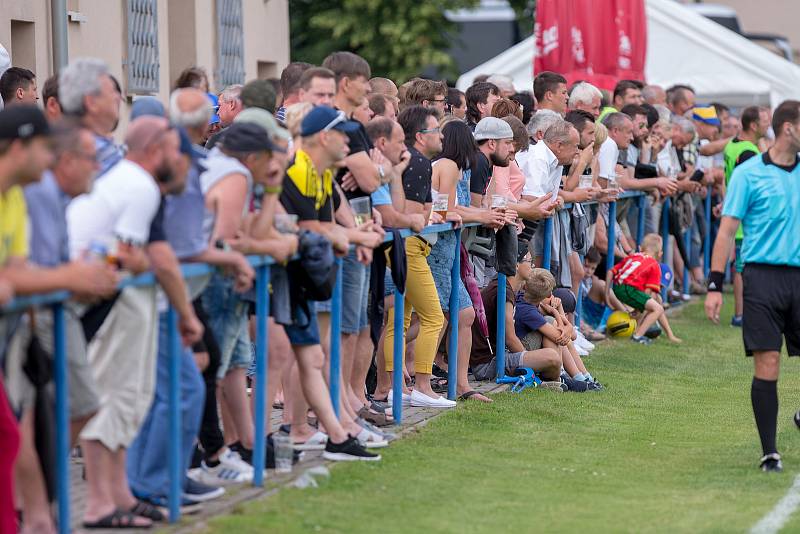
439 385
469 394
374 417
116 519
145 509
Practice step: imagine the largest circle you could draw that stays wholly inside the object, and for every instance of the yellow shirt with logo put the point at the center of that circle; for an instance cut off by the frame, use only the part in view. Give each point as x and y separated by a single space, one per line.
13 225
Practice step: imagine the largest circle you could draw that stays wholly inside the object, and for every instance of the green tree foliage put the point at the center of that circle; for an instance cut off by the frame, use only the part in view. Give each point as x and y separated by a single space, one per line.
399 38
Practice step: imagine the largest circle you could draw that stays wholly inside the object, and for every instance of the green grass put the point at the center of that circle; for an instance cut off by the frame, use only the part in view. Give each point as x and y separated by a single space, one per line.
669 446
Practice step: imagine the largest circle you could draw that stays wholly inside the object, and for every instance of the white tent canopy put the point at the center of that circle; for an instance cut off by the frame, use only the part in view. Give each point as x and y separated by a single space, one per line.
683 47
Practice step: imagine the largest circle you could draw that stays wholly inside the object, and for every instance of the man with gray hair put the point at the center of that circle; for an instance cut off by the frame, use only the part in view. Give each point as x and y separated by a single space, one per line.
504 83
540 122
654 95
87 90
586 97
190 109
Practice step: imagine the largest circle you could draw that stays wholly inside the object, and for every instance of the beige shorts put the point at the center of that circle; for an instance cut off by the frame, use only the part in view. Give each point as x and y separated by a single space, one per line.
122 356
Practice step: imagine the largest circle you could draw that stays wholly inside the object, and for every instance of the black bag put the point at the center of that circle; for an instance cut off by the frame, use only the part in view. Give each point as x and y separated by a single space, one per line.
38 370
314 274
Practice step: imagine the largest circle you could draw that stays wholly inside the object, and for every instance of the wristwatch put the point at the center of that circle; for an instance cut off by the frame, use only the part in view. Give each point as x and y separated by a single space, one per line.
382 174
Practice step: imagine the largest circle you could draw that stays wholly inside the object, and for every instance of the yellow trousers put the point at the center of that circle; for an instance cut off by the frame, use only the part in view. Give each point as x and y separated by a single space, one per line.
423 298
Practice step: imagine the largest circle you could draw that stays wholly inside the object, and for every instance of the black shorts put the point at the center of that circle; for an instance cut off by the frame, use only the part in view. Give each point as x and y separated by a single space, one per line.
771 308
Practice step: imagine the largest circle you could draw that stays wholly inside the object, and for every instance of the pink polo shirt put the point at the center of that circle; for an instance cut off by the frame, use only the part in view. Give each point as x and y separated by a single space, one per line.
509 181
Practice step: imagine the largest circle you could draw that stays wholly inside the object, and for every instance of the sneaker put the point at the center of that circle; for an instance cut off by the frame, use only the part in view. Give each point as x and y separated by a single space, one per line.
349 450
594 386
421 400
388 436
797 419
581 351
406 398
584 343
195 491
576 386
231 469
598 385
642 340
555 387
316 442
371 440
771 463
736 321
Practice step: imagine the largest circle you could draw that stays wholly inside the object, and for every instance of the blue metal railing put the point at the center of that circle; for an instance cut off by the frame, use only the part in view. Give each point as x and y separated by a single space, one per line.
262 266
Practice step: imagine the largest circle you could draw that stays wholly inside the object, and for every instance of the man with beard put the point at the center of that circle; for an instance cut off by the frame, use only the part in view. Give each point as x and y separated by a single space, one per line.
125 211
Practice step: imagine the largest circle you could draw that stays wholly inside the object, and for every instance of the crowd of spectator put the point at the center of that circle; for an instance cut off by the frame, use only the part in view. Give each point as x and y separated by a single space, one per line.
324 162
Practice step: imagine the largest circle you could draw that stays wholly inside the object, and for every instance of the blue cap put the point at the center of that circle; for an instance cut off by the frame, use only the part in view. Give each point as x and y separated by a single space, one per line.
666 275
214 102
147 105
323 118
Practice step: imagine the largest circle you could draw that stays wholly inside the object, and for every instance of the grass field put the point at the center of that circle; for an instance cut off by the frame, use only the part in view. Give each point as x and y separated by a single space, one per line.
669 446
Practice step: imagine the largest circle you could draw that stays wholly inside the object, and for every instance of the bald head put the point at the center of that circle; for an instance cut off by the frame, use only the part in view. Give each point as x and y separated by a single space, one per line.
190 108
145 131
383 86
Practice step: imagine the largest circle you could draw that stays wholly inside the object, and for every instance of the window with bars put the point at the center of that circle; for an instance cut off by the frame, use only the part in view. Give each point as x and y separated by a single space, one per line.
230 43
143 66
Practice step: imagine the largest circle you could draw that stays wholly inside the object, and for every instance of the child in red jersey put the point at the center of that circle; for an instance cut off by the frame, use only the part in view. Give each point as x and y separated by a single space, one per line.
635 280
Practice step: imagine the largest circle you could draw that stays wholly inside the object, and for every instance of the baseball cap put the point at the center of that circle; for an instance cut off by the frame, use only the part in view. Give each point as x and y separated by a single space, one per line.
22 122
247 137
493 128
263 118
666 275
215 104
324 118
258 94
706 114
147 105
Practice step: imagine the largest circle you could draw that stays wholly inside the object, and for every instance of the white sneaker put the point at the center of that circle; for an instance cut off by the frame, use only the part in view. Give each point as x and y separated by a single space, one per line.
230 470
420 400
371 440
406 398
316 442
580 350
584 343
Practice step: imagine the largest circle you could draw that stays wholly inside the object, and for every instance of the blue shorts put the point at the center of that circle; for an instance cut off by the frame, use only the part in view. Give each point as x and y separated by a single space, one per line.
355 296
592 312
304 335
228 322
441 260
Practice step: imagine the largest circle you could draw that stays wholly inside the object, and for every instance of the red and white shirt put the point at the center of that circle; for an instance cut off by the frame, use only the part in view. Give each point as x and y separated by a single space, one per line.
639 271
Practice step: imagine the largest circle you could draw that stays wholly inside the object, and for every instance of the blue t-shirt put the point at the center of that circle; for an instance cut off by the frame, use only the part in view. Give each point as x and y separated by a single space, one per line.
527 318
47 214
766 198
381 196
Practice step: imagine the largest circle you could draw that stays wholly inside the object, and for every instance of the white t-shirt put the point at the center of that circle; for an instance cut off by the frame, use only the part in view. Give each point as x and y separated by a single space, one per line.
541 169
120 206
668 163
607 159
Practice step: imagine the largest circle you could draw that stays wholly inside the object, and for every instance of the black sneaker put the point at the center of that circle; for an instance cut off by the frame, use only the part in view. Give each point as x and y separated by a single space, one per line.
577 386
771 463
797 418
642 340
348 451
594 386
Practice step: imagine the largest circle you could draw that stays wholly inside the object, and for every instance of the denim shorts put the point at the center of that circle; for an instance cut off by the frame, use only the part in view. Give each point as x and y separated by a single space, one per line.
304 335
440 260
227 320
355 295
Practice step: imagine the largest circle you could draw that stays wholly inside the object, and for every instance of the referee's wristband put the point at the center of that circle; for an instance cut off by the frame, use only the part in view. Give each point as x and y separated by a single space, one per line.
715 281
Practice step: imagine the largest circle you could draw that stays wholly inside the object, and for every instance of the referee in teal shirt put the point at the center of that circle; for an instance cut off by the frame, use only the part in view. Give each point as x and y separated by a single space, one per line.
764 194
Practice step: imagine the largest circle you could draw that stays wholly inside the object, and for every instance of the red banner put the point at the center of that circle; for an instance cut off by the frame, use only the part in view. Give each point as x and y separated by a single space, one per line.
599 41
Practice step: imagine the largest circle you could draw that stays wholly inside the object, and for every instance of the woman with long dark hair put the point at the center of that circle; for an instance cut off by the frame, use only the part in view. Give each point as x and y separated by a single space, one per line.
451 174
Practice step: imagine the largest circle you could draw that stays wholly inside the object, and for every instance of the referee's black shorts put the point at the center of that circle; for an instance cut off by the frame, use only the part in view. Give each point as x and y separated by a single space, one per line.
771 308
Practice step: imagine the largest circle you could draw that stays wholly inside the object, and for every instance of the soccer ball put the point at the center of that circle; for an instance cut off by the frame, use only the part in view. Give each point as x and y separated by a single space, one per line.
620 324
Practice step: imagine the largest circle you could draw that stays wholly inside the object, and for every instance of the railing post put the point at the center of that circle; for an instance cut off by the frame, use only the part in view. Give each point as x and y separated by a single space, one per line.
399 357
642 205
578 305
336 338
452 349
500 357
707 232
262 359
548 241
611 234
174 450
687 243
62 418
665 239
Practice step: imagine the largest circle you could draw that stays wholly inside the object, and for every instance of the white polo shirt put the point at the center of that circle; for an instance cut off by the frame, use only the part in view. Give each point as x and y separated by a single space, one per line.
541 169
607 159
120 206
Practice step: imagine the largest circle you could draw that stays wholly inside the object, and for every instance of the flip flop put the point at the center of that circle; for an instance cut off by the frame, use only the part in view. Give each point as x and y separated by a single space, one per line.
116 519
375 417
145 509
469 394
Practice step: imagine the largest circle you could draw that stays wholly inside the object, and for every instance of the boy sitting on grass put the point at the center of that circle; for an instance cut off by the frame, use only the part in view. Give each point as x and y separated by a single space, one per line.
634 282
540 321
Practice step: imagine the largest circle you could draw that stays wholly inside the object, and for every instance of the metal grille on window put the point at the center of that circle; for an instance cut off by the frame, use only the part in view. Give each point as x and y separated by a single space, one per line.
143 67
230 53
